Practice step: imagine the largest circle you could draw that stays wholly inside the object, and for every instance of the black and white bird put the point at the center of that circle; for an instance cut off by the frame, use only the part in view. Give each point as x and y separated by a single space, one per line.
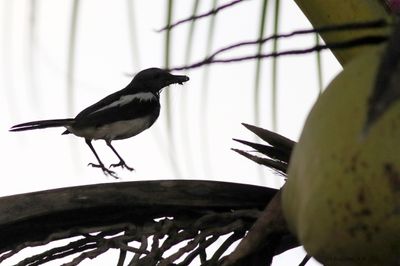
120 115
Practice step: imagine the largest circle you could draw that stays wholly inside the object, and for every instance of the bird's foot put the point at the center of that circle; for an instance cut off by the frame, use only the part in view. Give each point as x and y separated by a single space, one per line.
105 170
122 164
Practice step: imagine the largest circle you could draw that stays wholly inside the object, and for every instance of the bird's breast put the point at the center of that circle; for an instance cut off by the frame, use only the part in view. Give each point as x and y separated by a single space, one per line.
117 130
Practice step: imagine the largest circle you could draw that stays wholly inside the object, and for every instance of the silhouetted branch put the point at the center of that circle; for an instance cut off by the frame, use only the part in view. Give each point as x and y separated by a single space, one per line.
59 252
197 252
143 246
262 236
369 40
324 29
88 255
330 28
305 260
122 257
209 13
227 243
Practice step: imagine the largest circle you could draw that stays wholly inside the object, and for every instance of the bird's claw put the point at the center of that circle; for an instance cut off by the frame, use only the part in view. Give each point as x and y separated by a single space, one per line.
122 164
105 170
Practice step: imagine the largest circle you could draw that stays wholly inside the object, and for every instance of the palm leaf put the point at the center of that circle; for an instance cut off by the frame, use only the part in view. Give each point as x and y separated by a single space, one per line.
168 110
184 113
278 150
278 166
275 68
204 95
71 56
133 33
319 66
257 77
33 9
271 137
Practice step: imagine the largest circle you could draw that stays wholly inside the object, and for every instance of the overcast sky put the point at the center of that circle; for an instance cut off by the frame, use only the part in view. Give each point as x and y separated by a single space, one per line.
33 77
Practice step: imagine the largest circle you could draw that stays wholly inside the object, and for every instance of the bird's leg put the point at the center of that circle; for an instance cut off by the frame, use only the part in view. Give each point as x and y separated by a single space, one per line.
106 171
121 161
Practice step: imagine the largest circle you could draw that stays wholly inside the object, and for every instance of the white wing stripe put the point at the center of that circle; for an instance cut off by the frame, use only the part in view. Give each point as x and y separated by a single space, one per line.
125 99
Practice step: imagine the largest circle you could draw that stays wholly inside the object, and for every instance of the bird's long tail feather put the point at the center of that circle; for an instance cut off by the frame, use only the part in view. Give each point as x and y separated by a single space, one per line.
42 124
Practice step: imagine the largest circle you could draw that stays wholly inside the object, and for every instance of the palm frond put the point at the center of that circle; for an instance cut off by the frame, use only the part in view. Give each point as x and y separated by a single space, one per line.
270 163
271 137
274 62
319 65
257 77
204 94
278 150
167 55
168 110
71 55
183 112
33 9
133 33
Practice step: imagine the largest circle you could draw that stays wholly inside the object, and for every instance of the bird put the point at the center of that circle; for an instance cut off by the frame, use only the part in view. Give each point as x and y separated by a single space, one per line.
120 115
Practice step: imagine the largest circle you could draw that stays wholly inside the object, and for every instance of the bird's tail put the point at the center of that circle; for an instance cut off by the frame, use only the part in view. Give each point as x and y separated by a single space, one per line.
42 124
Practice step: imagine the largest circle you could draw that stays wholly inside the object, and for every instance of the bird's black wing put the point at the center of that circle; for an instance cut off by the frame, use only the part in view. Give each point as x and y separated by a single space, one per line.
117 107
100 104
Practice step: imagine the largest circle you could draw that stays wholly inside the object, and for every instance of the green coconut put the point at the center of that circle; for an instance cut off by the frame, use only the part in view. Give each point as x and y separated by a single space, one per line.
342 197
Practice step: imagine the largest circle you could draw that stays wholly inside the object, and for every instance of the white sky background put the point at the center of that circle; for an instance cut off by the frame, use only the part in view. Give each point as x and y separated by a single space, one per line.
43 159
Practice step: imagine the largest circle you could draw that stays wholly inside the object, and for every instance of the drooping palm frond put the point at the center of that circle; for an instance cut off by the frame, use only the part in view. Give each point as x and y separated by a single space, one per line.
276 165
257 72
71 55
319 65
130 7
277 151
272 138
167 56
274 76
183 113
33 9
167 106
204 95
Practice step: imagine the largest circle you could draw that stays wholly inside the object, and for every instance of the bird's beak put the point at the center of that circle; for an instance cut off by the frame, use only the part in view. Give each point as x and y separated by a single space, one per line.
177 79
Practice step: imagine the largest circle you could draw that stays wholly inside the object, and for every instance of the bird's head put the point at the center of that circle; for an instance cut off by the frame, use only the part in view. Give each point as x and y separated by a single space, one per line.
154 79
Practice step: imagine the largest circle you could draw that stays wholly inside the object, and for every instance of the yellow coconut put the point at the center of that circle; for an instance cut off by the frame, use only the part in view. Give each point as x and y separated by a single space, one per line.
342 197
